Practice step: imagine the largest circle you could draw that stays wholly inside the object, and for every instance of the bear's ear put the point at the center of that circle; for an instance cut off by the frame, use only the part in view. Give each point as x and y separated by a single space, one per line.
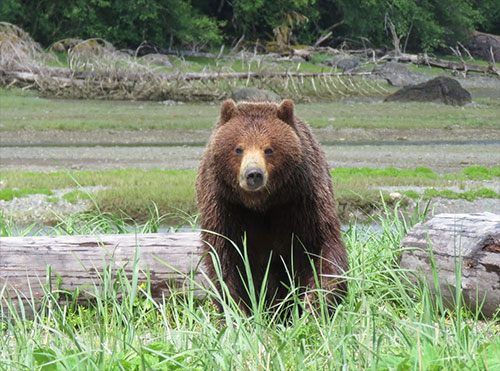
285 112
226 112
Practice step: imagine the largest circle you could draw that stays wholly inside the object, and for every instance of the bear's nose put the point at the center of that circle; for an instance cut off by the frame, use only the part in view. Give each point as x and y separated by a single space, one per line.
254 178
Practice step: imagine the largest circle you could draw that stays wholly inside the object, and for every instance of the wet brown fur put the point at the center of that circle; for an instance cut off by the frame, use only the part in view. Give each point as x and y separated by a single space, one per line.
297 206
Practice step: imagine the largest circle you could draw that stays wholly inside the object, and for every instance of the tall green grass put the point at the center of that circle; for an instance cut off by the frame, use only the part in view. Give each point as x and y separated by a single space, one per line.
384 323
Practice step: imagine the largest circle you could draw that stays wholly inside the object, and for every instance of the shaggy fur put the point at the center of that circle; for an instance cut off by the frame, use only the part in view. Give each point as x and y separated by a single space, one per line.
292 219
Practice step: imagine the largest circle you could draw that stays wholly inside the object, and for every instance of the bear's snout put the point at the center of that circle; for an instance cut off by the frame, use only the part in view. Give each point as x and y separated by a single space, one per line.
254 178
253 173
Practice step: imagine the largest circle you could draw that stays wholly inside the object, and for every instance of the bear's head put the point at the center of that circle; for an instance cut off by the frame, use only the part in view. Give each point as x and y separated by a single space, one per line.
256 151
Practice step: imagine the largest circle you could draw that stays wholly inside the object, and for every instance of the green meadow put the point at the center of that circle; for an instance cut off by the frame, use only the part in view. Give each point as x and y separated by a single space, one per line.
134 193
25 110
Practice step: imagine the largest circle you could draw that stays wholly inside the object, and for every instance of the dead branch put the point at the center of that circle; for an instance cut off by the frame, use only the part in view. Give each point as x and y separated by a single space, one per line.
395 38
322 38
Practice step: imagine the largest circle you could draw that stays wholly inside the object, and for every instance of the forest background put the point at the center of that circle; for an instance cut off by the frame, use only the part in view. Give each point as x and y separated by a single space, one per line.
422 25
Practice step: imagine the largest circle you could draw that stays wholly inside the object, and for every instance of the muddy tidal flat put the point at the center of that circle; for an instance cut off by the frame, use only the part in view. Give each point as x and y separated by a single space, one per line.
53 150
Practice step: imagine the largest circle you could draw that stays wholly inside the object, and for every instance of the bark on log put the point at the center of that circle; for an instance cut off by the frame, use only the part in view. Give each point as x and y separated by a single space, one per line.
77 262
466 246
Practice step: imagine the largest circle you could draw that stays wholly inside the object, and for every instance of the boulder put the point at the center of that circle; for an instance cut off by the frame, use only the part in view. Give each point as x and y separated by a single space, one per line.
397 74
439 90
254 95
481 43
342 62
297 59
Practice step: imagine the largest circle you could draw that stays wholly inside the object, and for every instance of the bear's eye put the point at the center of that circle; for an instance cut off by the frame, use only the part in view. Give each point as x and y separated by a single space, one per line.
269 151
238 150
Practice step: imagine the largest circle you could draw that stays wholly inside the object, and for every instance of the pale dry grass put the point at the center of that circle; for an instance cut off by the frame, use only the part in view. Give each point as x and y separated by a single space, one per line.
18 51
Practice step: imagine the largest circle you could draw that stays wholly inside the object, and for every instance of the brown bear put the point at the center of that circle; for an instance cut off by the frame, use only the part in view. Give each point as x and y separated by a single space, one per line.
264 179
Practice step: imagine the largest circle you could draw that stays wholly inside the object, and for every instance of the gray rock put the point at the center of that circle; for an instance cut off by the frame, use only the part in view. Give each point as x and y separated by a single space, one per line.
345 63
297 59
254 95
398 75
439 90
348 64
483 44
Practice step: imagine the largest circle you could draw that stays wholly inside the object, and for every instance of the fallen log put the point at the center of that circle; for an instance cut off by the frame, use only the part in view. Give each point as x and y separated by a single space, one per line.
466 251
10 77
82 77
443 63
162 86
78 262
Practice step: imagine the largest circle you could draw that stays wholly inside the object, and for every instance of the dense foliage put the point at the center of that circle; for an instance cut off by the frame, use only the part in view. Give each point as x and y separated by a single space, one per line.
421 25
122 22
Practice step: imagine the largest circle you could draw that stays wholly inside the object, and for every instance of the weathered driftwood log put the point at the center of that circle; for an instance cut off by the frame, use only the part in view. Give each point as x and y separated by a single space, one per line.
78 262
443 63
81 77
463 246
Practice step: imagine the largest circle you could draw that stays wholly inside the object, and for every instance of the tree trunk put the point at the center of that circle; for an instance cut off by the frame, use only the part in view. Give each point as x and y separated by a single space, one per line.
78 262
466 252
